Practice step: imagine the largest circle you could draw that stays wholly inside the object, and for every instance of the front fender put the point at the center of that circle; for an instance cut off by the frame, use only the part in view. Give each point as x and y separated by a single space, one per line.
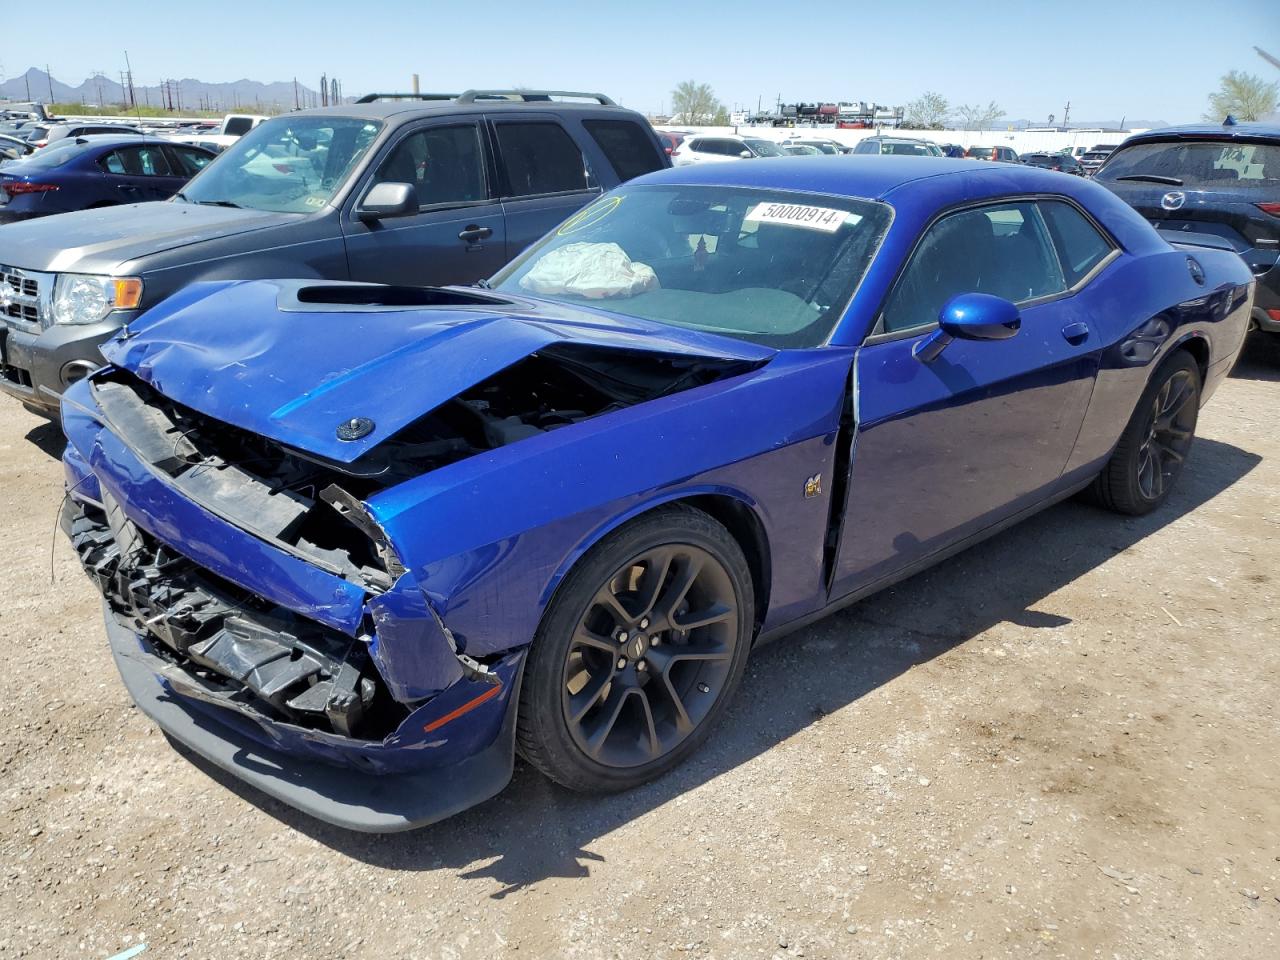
490 538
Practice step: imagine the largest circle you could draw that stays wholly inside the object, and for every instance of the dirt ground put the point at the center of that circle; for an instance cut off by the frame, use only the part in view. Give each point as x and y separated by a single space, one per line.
1062 743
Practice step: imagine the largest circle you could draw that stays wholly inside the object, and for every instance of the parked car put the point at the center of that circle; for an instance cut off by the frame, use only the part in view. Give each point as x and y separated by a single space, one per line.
41 135
13 148
219 137
1094 157
1061 162
670 139
87 173
713 149
896 146
822 145
414 192
1212 185
1003 154
712 406
800 150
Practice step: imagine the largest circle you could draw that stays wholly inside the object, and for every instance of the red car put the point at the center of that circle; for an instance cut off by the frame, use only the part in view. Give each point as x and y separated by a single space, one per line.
992 153
670 140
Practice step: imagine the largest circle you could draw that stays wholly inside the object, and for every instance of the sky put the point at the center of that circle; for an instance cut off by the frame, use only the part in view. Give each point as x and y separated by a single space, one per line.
1153 60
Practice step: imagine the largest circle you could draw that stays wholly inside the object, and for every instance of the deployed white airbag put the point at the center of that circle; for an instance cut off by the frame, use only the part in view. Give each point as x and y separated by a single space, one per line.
591 270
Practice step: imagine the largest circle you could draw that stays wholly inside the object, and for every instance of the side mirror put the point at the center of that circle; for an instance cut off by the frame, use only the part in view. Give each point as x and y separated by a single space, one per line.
746 154
970 316
386 200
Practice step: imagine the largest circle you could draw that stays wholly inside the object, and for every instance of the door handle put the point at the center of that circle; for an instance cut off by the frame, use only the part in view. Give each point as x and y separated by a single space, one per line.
1076 333
473 233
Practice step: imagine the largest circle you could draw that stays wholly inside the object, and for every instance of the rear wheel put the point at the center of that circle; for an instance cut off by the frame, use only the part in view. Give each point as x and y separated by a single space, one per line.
638 654
1155 444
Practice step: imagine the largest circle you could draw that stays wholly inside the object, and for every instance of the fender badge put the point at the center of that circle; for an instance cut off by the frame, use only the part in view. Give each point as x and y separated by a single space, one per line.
813 486
355 429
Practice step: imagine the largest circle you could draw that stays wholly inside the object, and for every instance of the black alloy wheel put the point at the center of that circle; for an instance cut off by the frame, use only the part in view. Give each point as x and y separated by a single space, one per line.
1170 428
1155 444
639 652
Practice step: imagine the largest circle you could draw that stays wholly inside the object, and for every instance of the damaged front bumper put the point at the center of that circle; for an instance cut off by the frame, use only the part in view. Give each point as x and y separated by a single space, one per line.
346 798
234 683
348 702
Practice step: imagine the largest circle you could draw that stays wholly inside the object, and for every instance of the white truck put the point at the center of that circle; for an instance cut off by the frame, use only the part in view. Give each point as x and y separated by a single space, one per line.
233 127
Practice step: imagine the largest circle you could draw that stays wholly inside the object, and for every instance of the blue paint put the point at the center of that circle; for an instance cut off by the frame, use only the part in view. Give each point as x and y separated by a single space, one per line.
131 952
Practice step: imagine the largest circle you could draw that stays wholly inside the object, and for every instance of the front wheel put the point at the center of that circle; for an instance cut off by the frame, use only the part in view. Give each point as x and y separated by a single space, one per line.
638 654
1155 444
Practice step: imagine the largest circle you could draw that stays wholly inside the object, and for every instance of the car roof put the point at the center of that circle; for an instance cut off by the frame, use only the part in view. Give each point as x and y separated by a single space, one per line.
871 177
407 109
1218 131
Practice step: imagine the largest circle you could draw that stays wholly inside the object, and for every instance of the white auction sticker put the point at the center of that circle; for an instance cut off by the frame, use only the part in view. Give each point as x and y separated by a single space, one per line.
826 219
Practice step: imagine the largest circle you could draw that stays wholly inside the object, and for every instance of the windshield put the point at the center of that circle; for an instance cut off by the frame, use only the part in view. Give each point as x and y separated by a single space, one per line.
1198 163
286 165
980 153
765 148
772 267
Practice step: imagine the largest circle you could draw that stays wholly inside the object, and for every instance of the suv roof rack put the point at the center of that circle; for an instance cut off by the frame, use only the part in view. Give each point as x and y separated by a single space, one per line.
471 96
532 96
375 97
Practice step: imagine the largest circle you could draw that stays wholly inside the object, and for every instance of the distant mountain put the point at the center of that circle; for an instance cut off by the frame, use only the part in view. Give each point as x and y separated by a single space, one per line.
190 94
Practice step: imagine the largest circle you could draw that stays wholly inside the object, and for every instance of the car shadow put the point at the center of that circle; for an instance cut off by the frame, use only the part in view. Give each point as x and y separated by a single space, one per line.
1260 358
535 830
48 437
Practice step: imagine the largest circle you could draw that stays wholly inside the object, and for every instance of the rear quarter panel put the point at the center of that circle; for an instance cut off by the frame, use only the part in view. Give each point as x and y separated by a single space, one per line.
1148 307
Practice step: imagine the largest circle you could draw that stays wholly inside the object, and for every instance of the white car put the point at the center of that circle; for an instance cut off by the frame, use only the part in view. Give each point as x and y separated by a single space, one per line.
705 148
821 144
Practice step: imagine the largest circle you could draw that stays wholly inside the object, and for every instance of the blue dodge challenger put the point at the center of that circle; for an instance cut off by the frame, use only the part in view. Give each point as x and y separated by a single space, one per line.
360 544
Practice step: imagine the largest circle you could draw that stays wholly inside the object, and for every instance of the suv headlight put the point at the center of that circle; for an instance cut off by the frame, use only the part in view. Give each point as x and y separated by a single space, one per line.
85 298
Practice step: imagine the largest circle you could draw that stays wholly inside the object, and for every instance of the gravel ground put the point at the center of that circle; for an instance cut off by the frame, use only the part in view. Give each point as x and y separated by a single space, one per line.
1061 743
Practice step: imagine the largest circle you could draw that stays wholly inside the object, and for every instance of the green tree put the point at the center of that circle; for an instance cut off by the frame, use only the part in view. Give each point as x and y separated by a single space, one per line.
927 113
977 117
695 103
1244 96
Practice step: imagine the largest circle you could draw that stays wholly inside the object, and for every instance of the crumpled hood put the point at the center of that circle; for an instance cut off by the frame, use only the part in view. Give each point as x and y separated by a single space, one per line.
99 241
253 355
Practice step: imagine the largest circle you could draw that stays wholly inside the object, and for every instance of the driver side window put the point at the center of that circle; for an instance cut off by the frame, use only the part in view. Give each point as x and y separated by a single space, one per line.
1001 249
444 164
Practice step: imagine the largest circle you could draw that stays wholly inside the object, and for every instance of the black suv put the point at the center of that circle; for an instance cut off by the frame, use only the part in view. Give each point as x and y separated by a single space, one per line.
1213 186
1062 162
422 189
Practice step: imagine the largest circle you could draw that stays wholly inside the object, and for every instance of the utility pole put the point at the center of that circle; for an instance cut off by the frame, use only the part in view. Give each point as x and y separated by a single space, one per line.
49 76
1066 113
324 90
295 94
133 97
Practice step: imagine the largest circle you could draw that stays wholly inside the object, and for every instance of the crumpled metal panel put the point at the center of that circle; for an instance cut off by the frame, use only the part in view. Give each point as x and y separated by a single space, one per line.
295 375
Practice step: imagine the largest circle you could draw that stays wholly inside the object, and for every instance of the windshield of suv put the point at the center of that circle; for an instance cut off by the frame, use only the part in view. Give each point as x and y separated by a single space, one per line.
980 153
286 165
765 148
1204 164
768 266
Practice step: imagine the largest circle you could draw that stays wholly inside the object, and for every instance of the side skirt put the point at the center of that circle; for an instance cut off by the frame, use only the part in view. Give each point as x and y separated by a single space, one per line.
924 563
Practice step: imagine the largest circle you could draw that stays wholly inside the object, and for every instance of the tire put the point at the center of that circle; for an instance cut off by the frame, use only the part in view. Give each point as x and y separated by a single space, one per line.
1155 443
603 710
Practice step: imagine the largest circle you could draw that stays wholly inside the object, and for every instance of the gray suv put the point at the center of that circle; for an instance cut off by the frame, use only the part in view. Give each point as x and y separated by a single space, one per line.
423 189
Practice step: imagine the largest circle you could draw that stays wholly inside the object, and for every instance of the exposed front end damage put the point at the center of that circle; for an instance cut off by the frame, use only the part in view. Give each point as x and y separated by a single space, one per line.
255 598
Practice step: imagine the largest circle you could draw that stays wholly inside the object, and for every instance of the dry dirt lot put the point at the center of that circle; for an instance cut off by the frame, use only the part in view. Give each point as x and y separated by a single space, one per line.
1062 743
